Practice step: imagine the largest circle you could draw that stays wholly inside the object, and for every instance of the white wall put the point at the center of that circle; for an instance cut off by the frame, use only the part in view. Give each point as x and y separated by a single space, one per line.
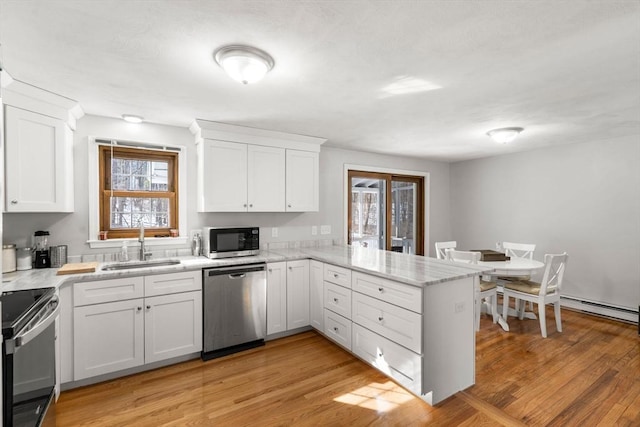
580 198
72 229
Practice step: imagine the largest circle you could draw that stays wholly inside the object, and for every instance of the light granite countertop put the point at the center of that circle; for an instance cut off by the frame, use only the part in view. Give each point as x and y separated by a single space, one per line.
411 269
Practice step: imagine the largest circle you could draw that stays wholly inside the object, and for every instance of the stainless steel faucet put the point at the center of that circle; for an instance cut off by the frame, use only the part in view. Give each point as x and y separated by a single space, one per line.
144 255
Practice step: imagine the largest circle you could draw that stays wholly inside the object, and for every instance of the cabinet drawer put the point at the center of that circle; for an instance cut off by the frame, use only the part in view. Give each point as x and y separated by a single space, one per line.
337 299
392 359
400 294
173 283
397 324
100 291
338 275
337 328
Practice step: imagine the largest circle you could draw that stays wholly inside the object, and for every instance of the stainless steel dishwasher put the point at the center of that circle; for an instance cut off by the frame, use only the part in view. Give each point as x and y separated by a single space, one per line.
235 309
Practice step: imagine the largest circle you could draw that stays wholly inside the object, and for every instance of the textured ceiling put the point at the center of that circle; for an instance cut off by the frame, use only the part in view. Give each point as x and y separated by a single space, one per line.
566 71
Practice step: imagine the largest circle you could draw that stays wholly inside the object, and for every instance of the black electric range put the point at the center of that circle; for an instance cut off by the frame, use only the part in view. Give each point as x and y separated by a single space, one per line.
19 307
28 356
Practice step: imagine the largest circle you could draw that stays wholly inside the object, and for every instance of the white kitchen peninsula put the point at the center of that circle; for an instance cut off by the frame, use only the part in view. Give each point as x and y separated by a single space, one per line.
409 316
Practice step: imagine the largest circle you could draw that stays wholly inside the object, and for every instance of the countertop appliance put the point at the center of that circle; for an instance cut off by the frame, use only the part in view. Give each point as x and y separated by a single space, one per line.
234 309
225 242
29 360
42 257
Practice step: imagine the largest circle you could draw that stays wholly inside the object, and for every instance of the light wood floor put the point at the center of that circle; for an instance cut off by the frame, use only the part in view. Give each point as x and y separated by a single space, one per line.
589 375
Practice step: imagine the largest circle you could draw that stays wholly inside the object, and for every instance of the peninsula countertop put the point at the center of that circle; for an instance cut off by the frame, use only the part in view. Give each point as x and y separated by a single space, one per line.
414 270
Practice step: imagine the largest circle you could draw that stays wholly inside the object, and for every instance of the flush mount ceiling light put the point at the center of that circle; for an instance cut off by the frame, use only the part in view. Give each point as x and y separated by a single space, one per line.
504 135
245 64
131 118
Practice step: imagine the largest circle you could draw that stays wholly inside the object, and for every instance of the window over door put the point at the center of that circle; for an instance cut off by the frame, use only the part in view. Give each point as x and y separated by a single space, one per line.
138 185
386 211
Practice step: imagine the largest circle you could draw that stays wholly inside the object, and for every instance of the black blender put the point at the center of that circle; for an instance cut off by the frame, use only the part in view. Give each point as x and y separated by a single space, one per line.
41 243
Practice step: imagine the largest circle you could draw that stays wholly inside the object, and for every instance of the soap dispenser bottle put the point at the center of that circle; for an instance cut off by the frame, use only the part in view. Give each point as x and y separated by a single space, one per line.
195 245
124 252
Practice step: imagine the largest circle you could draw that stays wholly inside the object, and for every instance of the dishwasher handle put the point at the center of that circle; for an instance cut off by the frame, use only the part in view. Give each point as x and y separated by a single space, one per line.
234 270
237 276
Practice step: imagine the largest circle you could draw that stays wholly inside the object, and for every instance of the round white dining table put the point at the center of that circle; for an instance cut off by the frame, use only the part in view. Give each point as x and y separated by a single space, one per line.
516 267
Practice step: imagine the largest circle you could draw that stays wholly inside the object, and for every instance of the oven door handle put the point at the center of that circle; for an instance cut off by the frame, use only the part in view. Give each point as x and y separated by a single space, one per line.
30 332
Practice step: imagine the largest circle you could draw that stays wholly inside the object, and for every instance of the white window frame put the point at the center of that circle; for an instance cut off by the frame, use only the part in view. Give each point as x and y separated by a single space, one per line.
94 203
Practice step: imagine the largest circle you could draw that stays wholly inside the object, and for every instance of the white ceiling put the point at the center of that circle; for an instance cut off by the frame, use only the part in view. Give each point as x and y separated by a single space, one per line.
566 71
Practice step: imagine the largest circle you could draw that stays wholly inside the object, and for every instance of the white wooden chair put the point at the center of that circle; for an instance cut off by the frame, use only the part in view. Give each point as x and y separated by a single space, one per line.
483 289
441 247
517 250
543 293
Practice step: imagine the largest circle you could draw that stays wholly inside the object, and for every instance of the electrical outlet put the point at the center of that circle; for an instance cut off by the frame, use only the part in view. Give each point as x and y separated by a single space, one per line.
314 230
325 229
274 231
459 307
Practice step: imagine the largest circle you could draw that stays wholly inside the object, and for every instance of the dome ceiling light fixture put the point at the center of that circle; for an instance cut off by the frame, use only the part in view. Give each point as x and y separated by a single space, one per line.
504 135
132 118
245 64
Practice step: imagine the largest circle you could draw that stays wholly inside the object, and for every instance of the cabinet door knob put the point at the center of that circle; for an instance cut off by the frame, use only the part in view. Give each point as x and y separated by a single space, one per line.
244 206
14 202
290 268
289 206
335 329
380 319
380 289
139 308
271 270
335 275
335 300
380 354
148 307
251 205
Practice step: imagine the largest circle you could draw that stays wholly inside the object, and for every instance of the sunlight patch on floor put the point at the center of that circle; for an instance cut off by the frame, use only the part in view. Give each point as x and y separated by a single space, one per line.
377 397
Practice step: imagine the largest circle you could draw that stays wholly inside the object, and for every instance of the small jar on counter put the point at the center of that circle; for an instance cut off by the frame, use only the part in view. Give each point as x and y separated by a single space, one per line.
25 260
9 258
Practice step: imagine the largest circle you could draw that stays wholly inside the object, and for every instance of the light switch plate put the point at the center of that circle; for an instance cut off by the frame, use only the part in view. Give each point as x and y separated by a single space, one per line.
274 231
314 230
325 229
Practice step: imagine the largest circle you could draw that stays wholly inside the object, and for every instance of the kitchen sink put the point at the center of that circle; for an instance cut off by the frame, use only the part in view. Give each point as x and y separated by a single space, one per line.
140 264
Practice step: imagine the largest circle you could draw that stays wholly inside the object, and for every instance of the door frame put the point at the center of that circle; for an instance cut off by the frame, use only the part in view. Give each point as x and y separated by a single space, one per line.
389 171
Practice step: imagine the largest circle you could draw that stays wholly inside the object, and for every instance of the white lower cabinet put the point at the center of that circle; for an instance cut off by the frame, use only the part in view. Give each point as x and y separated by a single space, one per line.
392 359
108 337
337 328
297 294
400 325
172 325
276 297
113 332
316 291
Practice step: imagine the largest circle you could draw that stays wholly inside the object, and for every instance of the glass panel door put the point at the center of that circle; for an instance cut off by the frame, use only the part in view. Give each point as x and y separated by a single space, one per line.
368 214
403 215
386 211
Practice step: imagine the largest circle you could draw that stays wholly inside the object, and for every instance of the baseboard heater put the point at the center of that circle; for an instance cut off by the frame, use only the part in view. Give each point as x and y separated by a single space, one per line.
617 312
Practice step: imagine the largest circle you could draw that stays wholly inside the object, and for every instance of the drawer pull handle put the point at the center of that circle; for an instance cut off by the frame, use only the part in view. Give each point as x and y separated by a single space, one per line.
380 319
380 290
335 300
14 202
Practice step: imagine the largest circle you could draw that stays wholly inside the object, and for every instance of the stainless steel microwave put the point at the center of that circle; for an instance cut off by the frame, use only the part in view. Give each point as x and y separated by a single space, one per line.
226 242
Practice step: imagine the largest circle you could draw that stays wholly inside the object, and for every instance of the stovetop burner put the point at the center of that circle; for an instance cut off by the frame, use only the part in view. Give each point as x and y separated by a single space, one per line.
19 306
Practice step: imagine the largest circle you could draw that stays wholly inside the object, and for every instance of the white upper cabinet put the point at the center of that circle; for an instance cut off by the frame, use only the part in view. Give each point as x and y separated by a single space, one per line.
252 170
266 179
302 181
225 177
38 150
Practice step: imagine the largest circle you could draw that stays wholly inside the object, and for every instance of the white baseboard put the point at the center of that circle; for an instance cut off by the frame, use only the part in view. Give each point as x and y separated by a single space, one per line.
608 310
